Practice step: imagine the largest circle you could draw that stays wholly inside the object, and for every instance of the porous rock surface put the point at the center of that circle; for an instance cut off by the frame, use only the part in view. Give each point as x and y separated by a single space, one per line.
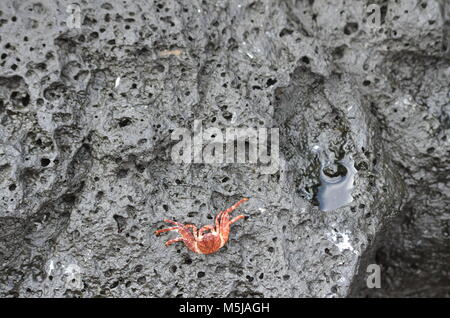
86 174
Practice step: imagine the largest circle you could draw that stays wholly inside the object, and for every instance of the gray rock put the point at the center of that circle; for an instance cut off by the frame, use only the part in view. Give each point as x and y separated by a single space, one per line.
90 94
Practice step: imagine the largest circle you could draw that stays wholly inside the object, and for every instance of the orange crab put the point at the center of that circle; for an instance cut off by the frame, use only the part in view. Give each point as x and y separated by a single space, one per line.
206 243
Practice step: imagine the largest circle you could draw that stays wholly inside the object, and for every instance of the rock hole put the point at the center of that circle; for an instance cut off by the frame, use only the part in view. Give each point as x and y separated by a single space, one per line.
350 27
124 122
121 222
227 115
142 280
45 162
200 274
270 82
138 268
285 32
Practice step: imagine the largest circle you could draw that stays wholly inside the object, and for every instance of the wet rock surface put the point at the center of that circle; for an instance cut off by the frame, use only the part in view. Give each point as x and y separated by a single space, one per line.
86 174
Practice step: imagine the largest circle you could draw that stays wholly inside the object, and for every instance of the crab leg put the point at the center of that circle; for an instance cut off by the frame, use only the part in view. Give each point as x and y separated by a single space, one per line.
205 228
173 222
177 227
178 239
227 211
217 221
187 236
237 218
225 222
225 227
166 230
235 205
224 214
194 229
192 245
